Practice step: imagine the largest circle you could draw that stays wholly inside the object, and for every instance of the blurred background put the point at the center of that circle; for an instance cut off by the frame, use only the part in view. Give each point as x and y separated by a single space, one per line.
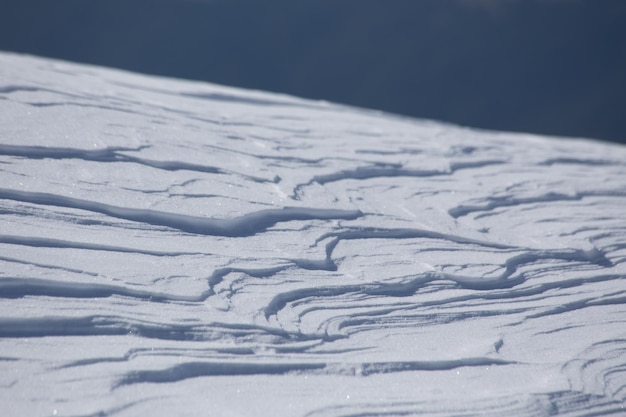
555 67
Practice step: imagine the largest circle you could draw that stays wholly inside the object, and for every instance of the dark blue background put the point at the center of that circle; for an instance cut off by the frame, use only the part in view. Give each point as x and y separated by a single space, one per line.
545 66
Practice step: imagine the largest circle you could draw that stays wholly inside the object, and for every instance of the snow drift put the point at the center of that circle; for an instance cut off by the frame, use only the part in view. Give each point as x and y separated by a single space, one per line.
179 248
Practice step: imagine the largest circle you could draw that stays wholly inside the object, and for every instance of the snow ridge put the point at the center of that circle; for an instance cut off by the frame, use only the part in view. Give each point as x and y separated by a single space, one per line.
246 225
170 247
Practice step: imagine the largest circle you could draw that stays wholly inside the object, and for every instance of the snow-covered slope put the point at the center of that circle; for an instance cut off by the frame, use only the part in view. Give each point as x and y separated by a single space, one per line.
174 248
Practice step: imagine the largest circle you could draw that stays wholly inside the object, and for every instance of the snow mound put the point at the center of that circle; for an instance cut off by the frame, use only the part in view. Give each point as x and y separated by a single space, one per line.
179 248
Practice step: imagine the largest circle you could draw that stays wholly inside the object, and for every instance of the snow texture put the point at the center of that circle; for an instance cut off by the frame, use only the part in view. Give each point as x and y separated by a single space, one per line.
173 248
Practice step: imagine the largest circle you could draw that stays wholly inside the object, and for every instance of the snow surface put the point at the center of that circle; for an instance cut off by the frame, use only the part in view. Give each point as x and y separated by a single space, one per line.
172 248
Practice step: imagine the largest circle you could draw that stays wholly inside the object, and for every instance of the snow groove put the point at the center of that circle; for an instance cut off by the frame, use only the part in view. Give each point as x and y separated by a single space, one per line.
168 248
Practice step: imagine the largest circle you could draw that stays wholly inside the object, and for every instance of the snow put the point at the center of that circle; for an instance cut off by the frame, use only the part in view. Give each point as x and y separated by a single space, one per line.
170 247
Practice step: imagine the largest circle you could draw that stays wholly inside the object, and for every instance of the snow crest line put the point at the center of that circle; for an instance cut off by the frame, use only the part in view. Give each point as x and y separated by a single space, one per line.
21 287
40 242
566 403
100 325
111 154
508 279
190 370
246 225
385 170
493 203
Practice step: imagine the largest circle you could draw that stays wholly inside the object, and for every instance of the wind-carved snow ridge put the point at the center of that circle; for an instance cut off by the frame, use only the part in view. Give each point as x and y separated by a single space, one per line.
171 247
246 225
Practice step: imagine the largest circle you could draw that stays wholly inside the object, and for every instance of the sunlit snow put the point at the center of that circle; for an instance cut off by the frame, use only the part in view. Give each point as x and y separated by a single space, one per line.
173 248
